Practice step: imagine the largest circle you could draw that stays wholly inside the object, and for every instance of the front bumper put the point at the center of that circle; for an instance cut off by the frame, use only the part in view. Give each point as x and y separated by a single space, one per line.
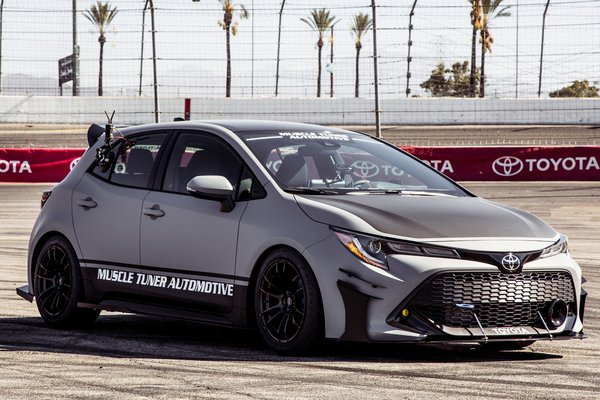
470 304
368 303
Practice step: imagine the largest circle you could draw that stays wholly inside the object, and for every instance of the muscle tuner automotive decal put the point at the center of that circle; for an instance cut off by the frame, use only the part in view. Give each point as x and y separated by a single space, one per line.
325 135
167 282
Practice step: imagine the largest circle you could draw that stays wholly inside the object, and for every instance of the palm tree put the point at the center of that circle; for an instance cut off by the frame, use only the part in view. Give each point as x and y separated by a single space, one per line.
101 15
320 21
358 28
476 23
230 27
490 9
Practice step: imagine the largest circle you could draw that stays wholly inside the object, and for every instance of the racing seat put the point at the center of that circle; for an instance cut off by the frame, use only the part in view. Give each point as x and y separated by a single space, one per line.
137 170
210 161
293 171
140 161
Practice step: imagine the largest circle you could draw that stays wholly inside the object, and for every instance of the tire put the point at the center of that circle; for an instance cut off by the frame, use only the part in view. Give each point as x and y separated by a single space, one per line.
499 346
57 286
287 304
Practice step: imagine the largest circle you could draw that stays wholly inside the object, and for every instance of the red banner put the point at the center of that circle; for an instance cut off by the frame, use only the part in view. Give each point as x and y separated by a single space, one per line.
581 163
37 165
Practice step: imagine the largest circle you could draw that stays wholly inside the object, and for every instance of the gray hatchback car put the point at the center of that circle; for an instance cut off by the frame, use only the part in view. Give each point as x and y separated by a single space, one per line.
300 231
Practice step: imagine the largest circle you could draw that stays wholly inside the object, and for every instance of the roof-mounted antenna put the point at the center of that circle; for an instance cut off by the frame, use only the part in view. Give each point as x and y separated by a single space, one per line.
104 156
109 128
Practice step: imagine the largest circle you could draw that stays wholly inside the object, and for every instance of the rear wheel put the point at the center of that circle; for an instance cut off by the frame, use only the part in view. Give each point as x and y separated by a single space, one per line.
287 304
57 286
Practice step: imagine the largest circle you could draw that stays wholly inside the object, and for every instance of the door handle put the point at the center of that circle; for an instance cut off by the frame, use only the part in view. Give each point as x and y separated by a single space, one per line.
87 203
154 212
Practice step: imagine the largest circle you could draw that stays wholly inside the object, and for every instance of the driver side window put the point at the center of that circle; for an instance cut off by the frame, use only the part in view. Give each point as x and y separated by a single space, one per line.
196 154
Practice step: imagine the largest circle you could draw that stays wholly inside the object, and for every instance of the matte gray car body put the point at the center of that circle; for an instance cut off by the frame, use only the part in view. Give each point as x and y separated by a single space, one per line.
141 249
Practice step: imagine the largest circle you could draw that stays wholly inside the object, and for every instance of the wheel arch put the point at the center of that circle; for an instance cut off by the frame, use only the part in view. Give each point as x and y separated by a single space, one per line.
254 276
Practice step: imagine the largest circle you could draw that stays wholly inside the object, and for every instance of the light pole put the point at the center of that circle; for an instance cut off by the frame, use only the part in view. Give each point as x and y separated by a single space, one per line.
142 48
1 15
278 49
542 48
517 56
331 65
409 58
150 3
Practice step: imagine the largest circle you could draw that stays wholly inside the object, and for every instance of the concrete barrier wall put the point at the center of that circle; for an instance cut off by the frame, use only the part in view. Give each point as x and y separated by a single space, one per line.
345 111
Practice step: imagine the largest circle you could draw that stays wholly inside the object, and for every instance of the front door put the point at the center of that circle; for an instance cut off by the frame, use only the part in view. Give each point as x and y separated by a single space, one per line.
188 246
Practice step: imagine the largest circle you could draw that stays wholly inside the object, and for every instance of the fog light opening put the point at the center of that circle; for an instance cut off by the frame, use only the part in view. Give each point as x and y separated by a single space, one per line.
557 313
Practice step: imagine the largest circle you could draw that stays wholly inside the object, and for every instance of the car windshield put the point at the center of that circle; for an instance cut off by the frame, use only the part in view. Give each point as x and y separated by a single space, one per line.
339 162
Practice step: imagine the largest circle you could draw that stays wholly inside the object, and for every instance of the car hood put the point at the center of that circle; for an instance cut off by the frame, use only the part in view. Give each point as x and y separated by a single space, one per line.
425 217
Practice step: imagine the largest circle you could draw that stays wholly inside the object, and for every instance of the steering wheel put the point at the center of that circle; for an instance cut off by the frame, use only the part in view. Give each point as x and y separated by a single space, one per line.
362 184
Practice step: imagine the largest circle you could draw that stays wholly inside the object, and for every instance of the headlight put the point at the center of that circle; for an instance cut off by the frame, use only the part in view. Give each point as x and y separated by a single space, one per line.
374 250
561 247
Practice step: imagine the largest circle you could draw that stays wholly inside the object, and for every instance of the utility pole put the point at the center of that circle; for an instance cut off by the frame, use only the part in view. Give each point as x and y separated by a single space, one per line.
75 52
409 58
1 16
156 112
542 49
278 49
375 75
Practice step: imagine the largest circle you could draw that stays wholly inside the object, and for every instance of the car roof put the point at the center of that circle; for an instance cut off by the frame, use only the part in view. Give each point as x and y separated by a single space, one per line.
237 126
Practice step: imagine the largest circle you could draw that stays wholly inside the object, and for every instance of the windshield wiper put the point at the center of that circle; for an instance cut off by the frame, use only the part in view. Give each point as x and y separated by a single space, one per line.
431 192
306 190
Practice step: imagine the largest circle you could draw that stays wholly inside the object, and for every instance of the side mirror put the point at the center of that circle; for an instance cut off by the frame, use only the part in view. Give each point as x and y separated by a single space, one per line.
212 187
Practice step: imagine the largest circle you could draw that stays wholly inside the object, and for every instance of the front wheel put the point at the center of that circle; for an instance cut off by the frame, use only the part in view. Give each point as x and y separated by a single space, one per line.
57 286
287 304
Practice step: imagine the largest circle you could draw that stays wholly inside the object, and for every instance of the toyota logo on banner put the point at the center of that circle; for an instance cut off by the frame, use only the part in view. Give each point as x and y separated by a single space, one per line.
507 166
366 169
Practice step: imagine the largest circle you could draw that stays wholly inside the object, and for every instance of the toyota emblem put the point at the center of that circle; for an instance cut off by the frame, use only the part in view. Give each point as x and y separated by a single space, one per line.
511 263
507 166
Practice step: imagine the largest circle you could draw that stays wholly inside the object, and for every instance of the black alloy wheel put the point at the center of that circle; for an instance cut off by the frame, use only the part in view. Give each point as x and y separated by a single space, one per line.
287 304
57 286
53 280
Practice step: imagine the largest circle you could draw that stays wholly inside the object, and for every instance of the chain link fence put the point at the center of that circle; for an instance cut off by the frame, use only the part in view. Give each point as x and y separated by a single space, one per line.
274 53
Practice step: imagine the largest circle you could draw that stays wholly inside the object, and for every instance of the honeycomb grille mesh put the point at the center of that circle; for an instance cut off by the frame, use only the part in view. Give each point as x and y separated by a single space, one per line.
500 300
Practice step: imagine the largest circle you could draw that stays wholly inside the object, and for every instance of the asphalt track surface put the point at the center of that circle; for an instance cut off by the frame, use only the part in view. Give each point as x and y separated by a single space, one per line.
136 357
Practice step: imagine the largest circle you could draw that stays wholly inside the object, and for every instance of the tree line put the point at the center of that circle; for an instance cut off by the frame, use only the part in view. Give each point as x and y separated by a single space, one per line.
463 81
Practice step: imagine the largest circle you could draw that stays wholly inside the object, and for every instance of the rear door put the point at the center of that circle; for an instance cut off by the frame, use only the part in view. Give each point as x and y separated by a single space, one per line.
107 208
188 246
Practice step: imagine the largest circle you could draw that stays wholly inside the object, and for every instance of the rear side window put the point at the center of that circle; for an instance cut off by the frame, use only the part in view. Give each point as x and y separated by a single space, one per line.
134 161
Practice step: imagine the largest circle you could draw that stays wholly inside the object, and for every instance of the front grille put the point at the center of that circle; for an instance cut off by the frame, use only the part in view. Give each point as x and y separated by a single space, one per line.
500 300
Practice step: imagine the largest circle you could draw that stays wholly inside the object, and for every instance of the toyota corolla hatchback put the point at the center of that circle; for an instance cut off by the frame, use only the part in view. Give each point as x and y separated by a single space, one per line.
299 231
